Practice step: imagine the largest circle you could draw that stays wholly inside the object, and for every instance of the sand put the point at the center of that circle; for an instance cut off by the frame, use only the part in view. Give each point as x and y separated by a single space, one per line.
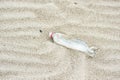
28 54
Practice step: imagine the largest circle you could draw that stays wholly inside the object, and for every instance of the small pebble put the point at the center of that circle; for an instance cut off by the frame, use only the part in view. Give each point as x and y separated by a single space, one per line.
75 2
41 31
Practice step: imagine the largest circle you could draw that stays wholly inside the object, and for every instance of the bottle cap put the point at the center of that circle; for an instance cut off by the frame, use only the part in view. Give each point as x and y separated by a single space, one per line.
51 34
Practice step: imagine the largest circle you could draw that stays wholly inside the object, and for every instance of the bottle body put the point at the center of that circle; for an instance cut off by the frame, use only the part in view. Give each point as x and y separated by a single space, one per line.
72 44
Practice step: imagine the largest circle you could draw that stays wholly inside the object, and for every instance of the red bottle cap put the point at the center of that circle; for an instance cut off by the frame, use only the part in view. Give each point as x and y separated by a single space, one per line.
51 34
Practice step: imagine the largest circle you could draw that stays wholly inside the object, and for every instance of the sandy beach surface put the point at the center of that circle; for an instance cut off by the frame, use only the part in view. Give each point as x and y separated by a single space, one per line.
28 54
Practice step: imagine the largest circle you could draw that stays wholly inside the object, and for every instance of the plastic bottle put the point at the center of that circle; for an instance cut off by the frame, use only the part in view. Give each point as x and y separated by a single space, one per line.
72 44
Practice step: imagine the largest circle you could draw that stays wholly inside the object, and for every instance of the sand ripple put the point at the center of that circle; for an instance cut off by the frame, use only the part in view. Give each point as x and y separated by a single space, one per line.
27 54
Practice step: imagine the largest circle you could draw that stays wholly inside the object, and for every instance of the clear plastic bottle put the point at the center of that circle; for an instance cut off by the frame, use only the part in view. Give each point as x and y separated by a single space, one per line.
72 44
